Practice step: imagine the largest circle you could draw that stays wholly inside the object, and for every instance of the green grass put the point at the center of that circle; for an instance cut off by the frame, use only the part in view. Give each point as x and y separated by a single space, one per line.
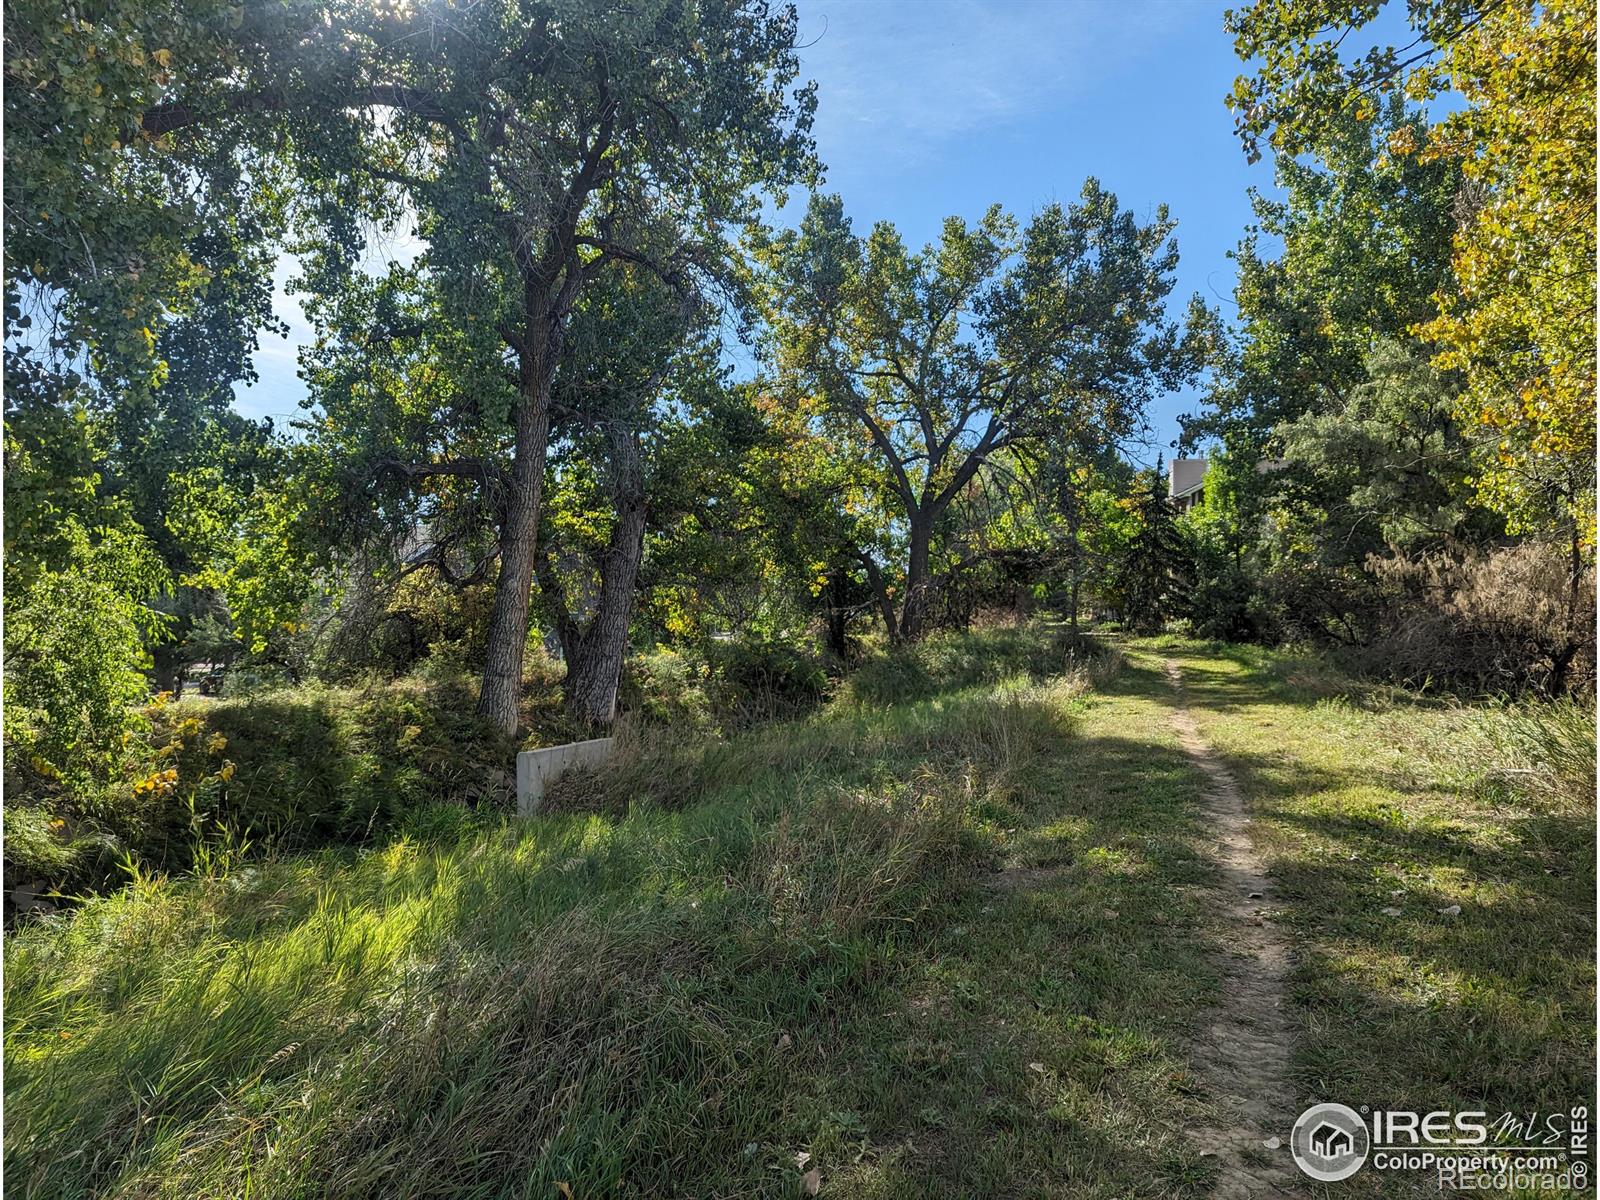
1369 799
940 946
952 947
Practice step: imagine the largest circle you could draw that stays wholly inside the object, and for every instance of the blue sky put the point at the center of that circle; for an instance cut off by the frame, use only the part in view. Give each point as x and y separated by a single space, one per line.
928 108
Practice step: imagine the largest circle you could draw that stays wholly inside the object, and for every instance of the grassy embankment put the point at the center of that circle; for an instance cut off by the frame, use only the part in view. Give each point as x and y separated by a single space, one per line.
929 946
954 945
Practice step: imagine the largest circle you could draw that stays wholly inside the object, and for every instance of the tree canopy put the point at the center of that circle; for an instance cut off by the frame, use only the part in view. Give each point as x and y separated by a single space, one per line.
579 388
999 336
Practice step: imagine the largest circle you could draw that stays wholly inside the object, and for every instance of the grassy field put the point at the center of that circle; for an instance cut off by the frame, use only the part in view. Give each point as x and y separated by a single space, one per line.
953 946
1436 870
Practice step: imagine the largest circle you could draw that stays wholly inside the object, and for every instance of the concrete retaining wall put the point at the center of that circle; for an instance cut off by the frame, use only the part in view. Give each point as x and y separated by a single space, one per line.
536 768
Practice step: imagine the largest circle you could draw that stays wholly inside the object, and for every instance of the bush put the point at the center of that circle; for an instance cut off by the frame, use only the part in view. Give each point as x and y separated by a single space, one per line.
727 685
666 687
75 638
759 681
1224 598
285 770
32 845
1508 620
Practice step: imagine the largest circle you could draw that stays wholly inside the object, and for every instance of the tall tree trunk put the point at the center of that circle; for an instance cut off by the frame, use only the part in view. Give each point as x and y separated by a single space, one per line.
919 581
519 546
595 668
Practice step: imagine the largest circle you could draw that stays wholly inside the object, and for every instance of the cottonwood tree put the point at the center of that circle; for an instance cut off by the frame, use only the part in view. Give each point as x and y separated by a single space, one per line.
935 361
639 356
406 456
532 144
763 529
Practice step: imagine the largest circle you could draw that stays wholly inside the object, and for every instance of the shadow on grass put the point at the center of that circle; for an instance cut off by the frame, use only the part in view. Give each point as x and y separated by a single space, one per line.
1490 1006
675 1002
1039 1037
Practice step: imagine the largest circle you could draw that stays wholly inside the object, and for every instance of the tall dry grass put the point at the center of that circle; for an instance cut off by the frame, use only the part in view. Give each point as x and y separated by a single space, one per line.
603 999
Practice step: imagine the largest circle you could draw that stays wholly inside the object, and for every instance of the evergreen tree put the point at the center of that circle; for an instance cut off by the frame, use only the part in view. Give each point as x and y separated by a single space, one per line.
1153 577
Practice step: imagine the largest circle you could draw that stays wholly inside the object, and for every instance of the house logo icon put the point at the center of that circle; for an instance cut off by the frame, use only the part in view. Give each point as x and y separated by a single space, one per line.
1329 1142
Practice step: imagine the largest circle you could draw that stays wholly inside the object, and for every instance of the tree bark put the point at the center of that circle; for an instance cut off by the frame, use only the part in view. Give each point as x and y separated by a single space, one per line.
919 581
594 666
836 615
885 605
519 546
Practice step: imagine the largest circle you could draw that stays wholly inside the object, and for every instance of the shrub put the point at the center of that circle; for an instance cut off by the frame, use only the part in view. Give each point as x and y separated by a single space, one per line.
1508 620
283 770
75 639
667 687
32 845
1224 599
764 680
726 685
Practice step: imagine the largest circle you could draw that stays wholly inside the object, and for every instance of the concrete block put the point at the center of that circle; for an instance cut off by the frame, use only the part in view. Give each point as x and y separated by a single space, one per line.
536 768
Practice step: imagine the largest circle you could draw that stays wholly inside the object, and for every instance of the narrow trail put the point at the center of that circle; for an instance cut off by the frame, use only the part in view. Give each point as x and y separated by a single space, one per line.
1244 1050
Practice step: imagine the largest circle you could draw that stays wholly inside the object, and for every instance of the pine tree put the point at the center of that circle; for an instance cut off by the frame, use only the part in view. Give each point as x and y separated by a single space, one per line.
1154 573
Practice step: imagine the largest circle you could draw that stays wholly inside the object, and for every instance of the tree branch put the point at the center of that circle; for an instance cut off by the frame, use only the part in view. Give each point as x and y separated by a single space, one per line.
168 118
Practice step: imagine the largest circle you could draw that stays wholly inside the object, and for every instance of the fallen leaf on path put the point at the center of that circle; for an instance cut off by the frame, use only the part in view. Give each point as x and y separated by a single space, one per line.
1453 911
801 1158
1391 912
1039 1067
